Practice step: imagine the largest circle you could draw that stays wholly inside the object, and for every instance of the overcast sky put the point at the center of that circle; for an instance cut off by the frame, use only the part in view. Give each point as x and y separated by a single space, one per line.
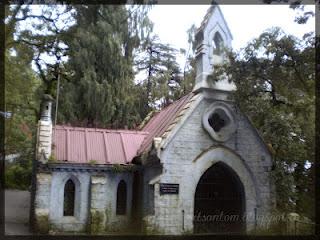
245 21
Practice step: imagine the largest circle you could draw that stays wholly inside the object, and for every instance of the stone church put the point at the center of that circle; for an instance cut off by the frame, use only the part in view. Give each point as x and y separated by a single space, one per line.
196 166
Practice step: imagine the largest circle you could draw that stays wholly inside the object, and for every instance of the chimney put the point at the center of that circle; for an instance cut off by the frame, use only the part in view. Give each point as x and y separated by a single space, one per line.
44 137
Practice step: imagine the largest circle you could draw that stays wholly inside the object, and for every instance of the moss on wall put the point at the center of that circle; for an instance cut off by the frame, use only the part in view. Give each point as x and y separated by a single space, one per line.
42 223
150 229
97 222
108 216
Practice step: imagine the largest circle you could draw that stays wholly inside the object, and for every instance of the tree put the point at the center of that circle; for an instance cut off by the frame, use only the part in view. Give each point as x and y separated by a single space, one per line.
275 80
21 102
158 62
31 39
100 89
39 39
40 34
189 70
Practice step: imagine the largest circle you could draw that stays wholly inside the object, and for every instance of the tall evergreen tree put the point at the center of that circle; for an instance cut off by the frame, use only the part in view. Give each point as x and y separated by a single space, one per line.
100 90
162 73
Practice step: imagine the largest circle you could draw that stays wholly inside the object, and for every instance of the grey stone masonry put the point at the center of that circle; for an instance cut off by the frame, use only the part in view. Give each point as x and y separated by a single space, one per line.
94 203
44 140
42 202
78 222
191 152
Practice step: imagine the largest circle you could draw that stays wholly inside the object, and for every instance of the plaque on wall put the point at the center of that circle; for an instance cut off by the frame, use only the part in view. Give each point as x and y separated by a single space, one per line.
169 188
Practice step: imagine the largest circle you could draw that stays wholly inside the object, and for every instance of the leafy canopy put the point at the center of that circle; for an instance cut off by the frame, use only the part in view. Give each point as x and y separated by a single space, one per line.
275 80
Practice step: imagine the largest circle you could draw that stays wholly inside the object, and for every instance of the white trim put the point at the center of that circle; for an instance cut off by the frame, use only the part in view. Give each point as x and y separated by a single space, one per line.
180 123
225 22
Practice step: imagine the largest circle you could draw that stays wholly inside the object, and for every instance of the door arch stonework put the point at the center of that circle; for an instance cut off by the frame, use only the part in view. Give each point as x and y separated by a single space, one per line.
219 202
202 163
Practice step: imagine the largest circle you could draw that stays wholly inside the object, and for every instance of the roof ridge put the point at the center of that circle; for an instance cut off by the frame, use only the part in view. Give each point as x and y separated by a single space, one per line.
165 108
176 110
99 129
158 124
178 100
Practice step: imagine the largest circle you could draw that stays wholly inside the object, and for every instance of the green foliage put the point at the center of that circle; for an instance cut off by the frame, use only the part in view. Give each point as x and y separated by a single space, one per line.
163 83
100 89
18 175
101 93
275 78
97 222
121 168
189 70
21 100
52 158
42 224
93 161
302 16
38 34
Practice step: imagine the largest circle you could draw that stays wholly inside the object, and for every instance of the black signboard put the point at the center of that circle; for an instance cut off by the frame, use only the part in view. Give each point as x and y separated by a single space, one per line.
169 188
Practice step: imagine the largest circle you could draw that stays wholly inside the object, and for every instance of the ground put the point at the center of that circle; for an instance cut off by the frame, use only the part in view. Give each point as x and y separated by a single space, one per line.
17 206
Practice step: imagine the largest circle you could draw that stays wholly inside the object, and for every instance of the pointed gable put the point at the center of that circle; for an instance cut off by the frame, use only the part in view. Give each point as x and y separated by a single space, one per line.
214 12
162 120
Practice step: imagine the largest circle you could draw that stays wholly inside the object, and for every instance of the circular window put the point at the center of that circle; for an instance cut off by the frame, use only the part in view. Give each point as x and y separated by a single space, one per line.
219 122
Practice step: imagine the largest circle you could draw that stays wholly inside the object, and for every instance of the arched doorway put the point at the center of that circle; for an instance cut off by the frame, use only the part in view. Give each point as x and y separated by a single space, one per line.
219 201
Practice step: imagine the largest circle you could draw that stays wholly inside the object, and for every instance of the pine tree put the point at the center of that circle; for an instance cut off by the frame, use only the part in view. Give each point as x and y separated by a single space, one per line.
163 76
100 90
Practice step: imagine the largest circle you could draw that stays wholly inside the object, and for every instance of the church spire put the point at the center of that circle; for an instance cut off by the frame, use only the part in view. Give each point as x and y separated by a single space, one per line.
212 38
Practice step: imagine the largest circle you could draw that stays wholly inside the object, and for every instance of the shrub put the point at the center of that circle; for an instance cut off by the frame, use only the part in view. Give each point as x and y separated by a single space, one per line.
18 176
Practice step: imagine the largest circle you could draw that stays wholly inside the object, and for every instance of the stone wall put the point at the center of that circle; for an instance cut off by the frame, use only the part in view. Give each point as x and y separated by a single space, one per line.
44 138
150 186
183 161
78 222
95 202
103 203
42 202
191 152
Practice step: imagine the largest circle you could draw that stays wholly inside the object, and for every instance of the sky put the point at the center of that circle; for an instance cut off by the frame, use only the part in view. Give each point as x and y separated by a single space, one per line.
246 22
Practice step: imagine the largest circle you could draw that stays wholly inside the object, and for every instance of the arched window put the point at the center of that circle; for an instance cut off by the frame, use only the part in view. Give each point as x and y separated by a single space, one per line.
121 198
69 198
217 43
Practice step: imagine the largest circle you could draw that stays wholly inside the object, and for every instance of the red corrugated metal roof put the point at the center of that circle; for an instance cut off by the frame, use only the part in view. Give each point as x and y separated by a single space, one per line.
159 123
104 146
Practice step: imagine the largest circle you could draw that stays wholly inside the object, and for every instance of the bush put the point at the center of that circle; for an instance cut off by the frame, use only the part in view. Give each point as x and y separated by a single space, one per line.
18 176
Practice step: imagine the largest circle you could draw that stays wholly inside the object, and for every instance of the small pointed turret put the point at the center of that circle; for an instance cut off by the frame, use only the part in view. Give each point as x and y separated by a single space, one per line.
212 39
